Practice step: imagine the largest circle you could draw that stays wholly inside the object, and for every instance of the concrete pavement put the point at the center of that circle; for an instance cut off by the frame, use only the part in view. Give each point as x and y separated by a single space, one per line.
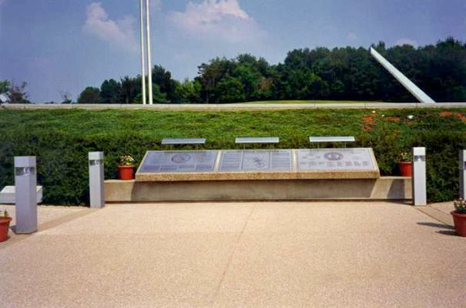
270 254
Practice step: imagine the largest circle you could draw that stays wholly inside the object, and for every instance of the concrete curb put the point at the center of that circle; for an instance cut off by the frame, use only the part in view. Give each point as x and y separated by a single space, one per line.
238 107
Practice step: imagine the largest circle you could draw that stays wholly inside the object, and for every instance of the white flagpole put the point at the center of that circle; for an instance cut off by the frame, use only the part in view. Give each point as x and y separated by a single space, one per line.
143 55
149 64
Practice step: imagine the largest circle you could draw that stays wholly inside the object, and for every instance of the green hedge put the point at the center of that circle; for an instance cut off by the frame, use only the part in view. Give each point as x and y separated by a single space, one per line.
61 139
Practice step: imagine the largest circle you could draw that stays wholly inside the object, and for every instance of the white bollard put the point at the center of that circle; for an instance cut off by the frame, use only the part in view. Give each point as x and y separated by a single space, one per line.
419 176
96 179
462 173
25 194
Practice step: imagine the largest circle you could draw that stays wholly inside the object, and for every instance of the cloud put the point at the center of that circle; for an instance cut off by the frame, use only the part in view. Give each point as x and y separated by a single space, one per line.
155 5
351 36
406 41
119 33
216 19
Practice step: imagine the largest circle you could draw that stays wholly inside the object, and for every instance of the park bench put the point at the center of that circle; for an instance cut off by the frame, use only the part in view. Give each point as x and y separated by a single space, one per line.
256 140
331 139
183 141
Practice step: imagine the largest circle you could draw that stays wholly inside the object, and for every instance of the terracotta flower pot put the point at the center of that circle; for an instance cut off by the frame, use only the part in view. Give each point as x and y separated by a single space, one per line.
4 227
406 168
126 172
460 223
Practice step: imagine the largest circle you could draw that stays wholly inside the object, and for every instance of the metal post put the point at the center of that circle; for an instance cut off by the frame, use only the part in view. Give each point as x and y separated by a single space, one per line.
419 176
143 54
96 179
149 61
25 194
462 174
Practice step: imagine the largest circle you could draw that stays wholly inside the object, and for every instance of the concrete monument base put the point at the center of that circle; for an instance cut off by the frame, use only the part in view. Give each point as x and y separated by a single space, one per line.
383 188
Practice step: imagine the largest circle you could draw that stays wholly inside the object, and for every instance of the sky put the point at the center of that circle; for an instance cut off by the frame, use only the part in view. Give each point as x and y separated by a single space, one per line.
62 46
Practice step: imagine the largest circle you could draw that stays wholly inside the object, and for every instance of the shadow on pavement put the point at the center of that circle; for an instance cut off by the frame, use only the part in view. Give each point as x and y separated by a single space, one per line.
435 225
444 232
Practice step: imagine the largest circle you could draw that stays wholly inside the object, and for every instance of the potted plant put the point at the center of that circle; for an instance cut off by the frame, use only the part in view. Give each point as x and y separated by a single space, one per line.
126 168
405 164
4 225
459 216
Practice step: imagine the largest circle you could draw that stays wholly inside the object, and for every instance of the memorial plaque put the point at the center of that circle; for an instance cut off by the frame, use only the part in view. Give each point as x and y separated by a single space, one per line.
336 159
179 161
249 160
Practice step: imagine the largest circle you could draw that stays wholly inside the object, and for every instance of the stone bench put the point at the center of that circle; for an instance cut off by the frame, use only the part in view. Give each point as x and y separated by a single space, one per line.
7 195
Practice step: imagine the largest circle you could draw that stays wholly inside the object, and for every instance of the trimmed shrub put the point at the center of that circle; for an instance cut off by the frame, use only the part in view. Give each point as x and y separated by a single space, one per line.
61 139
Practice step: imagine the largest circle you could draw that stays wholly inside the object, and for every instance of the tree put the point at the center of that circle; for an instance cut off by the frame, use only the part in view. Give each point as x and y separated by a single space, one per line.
129 89
16 94
110 91
250 79
320 73
187 92
209 76
90 95
66 97
159 97
231 89
4 86
163 78
265 89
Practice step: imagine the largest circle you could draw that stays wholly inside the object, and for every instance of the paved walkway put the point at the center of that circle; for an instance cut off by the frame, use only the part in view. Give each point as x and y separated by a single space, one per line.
271 254
241 106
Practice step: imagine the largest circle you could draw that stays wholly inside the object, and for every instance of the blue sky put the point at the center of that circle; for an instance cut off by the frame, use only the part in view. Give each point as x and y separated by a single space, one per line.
62 46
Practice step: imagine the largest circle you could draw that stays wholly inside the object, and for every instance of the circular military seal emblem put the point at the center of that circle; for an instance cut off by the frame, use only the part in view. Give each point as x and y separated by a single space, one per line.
333 156
181 158
258 162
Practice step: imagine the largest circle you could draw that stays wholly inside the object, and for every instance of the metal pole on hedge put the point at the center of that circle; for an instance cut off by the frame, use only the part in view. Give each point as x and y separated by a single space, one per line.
26 194
96 179
462 173
419 176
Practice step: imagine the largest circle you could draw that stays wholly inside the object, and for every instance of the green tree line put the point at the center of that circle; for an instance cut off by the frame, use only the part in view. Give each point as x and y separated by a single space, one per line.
340 73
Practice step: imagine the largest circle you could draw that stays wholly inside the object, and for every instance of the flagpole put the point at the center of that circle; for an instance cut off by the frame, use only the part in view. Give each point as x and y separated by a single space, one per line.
143 54
149 64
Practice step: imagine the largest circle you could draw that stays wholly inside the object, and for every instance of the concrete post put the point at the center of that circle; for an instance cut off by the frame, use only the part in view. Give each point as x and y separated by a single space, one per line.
25 194
419 176
462 173
96 179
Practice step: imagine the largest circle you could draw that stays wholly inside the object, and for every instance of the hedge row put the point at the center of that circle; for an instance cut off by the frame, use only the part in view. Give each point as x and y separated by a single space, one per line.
61 139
